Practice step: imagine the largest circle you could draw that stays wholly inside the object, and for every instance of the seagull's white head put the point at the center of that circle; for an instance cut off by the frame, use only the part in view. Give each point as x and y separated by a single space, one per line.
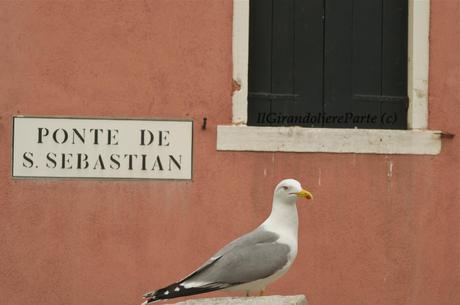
289 190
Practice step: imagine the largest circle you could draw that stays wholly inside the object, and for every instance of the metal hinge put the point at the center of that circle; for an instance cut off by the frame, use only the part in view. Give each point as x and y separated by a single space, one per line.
382 98
272 96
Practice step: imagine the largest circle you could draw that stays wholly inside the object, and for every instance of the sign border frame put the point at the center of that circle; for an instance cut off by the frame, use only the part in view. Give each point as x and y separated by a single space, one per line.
13 117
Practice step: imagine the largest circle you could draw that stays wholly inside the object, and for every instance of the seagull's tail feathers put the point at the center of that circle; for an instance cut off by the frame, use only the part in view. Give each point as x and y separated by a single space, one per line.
177 290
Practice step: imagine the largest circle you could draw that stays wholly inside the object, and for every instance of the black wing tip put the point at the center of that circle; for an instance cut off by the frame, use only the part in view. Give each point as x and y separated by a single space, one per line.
178 290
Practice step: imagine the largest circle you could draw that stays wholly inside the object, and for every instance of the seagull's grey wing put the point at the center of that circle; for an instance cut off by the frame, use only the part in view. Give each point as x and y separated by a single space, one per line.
243 264
256 236
253 256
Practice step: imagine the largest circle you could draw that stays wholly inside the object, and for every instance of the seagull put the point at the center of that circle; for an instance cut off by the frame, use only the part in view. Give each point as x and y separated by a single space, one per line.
252 261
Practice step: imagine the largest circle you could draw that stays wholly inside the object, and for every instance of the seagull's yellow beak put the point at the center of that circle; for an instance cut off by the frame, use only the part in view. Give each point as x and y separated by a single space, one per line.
305 194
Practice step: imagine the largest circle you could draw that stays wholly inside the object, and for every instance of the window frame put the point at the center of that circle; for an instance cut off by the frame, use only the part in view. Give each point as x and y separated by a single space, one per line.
417 139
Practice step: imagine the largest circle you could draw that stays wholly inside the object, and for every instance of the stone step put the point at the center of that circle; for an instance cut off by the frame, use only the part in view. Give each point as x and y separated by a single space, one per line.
265 300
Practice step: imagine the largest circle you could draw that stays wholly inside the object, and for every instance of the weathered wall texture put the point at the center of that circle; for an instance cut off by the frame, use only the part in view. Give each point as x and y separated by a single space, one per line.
382 229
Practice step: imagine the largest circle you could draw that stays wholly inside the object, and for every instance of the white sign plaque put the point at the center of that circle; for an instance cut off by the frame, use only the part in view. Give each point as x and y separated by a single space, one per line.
54 147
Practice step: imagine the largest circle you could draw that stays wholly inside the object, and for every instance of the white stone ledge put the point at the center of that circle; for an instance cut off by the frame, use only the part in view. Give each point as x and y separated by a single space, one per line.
266 300
329 140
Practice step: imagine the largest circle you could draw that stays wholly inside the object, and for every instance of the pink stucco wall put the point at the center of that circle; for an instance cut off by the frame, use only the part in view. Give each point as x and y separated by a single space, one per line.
382 229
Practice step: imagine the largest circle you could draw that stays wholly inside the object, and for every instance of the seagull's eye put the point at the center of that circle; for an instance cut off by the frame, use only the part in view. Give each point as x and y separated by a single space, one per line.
285 188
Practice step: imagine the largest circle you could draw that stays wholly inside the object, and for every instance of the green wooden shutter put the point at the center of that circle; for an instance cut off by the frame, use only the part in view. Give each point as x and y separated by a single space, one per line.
316 59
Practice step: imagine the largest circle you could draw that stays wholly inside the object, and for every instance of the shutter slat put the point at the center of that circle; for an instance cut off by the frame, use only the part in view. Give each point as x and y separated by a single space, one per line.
394 75
367 59
283 53
260 58
338 59
308 59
